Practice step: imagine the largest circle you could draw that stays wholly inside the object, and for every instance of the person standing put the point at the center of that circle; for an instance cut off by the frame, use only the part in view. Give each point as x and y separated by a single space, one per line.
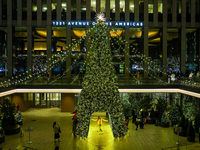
75 121
56 129
133 116
99 121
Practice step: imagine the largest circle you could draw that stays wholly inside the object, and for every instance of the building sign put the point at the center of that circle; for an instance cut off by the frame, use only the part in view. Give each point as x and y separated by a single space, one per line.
89 23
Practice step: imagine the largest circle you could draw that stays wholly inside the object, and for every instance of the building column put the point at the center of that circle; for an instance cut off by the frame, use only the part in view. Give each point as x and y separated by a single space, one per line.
107 10
1 12
49 47
183 35
164 37
69 57
174 13
58 10
9 38
19 12
30 50
193 13
30 47
98 6
155 13
198 47
49 35
88 10
78 10
68 10
183 49
39 12
183 13
117 10
146 30
127 13
136 10
127 53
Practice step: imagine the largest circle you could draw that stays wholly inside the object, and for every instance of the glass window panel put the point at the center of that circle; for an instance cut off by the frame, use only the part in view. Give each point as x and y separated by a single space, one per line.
103 5
169 6
173 49
131 6
179 6
25 96
112 6
37 99
64 5
122 5
150 6
34 5
93 5
45 96
44 5
30 96
160 6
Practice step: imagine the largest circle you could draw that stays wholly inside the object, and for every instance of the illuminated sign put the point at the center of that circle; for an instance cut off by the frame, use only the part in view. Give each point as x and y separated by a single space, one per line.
89 23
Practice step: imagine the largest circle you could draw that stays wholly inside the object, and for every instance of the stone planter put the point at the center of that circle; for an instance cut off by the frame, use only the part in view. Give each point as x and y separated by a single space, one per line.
191 139
2 138
20 123
12 130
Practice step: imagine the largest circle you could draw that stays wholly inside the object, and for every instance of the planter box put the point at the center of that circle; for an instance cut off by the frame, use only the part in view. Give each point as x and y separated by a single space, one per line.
191 139
150 122
165 125
2 139
12 130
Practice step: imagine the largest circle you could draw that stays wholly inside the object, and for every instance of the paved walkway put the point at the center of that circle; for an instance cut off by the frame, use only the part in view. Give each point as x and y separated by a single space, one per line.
149 138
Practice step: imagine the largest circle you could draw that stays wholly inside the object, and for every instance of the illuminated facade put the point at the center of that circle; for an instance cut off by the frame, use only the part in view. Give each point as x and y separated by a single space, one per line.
32 31
164 30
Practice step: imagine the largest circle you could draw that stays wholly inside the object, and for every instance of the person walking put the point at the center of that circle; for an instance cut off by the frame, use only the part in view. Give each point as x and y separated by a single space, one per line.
57 131
99 121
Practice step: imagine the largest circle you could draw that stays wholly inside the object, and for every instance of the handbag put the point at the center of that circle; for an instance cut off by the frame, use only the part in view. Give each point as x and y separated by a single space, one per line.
59 130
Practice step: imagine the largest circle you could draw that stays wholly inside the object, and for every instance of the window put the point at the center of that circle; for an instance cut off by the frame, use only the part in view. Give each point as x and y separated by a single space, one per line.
93 5
30 96
150 6
103 5
160 6
112 6
122 6
131 6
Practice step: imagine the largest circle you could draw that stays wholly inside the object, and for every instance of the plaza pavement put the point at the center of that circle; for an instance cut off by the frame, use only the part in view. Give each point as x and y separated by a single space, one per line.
42 137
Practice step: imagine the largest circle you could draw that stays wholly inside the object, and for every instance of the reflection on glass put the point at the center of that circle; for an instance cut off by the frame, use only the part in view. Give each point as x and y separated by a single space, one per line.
44 6
30 96
112 6
37 99
150 6
160 6
34 6
122 6
179 6
131 6
64 6
169 6
103 5
93 5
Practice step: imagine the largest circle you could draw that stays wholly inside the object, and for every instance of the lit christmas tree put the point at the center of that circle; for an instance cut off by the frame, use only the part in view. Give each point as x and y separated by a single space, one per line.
99 87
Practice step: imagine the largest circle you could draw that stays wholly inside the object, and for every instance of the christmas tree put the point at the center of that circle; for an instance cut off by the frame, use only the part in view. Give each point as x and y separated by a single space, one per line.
99 86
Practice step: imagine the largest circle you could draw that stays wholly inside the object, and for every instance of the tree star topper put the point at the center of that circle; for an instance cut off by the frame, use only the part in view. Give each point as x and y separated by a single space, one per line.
100 17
